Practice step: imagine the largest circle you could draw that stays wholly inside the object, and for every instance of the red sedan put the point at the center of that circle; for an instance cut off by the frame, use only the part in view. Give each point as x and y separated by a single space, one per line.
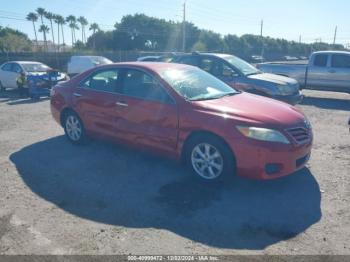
185 113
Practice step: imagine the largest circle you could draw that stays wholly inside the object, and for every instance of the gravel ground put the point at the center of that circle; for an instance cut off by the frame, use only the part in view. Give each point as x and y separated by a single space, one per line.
56 198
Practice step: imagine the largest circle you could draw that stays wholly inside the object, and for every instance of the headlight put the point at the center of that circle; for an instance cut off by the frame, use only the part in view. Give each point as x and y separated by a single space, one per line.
263 134
287 89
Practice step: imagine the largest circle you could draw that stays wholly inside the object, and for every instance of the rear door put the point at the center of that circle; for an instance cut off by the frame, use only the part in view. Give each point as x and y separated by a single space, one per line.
95 101
5 74
147 113
9 74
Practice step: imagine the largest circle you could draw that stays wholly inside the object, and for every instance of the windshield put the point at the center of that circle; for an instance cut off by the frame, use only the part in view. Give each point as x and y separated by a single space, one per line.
241 65
194 84
35 67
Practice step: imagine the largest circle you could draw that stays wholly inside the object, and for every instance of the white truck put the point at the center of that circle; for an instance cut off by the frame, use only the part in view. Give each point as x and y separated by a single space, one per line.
79 64
326 70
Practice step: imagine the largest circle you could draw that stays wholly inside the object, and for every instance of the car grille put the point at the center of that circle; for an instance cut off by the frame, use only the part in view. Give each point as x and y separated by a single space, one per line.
301 135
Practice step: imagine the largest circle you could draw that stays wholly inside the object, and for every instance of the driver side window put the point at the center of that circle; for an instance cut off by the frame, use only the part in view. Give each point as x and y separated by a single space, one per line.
141 85
217 68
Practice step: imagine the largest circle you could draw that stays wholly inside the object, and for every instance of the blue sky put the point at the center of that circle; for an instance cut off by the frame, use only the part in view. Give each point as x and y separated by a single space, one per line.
312 19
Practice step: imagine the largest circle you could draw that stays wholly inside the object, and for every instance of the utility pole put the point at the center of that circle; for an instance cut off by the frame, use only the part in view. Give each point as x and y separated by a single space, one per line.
335 34
184 28
262 40
299 39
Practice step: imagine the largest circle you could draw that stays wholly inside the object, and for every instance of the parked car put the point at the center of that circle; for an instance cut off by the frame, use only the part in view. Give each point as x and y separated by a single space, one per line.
243 76
290 58
10 71
148 58
185 113
257 58
326 70
79 64
162 58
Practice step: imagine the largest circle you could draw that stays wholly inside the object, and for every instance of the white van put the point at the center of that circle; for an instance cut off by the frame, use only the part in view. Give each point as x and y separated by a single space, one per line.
79 64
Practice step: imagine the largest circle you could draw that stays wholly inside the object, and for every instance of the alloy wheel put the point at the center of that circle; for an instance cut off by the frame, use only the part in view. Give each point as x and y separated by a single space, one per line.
207 161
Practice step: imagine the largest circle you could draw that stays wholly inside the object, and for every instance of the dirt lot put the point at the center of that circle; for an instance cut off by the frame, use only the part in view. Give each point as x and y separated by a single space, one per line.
56 198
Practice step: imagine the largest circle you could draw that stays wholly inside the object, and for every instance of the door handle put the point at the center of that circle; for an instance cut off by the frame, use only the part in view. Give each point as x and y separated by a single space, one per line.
77 95
121 103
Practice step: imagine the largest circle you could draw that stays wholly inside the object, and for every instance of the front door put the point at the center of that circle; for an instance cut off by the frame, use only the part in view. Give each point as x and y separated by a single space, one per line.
147 114
339 73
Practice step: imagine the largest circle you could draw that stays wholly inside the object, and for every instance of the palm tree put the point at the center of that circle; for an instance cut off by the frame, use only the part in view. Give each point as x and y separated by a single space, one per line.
94 27
33 17
61 21
50 16
41 12
56 19
44 29
72 23
83 22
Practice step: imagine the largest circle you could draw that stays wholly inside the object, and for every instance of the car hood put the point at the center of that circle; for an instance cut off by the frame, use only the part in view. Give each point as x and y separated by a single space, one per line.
253 109
45 75
276 79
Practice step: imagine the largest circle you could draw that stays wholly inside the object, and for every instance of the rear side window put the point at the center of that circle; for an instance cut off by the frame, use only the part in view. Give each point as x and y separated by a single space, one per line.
321 60
189 60
102 81
341 61
141 85
7 67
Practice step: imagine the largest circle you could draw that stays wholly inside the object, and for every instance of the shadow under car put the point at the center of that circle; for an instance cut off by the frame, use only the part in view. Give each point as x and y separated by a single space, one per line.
118 186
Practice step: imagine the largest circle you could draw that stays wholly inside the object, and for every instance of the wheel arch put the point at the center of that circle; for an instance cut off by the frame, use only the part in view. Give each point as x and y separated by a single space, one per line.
204 133
64 113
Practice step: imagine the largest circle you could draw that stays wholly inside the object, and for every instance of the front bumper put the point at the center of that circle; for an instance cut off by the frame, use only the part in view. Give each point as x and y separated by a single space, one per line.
254 159
290 99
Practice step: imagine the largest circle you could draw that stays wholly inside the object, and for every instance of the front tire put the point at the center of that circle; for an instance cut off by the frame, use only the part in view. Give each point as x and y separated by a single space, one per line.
209 158
74 128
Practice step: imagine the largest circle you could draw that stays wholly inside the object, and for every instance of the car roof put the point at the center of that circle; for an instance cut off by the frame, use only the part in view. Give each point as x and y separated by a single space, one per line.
24 62
153 66
220 55
87 56
332 52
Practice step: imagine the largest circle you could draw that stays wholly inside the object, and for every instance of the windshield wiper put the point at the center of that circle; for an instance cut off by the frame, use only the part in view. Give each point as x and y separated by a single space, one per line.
214 97
255 73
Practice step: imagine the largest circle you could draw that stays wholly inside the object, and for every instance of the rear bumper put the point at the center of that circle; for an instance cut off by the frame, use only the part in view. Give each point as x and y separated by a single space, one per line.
265 161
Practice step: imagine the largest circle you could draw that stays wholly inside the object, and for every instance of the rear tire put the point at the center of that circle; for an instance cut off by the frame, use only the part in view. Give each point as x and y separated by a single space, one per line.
74 128
209 158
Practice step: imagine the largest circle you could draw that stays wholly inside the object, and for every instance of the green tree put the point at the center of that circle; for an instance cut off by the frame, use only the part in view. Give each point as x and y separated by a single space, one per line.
94 28
33 18
50 16
211 40
83 22
13 41
72 23
41 13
